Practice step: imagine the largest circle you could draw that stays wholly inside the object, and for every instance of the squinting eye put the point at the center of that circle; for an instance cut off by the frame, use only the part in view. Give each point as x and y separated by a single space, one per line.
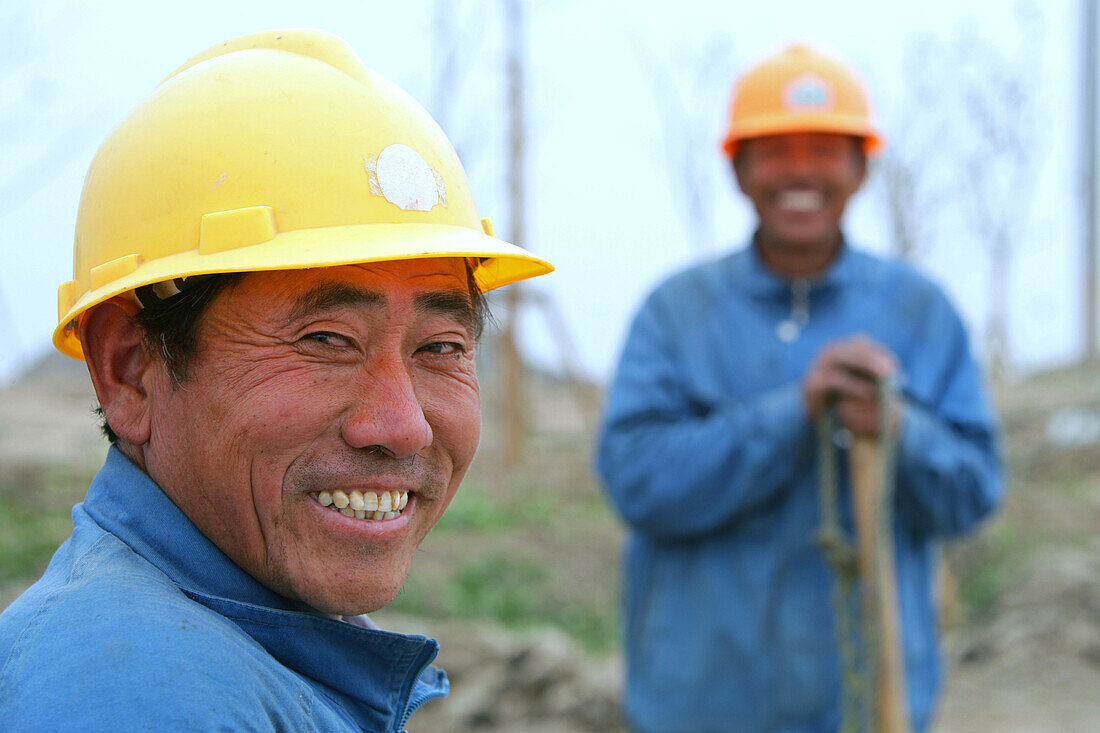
443 348
327 338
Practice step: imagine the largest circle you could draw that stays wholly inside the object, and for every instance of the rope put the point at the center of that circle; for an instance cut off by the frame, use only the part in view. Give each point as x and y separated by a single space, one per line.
858 633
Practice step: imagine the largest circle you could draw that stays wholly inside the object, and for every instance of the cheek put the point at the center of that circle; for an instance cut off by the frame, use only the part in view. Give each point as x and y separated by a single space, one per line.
280 402
453 410
269 419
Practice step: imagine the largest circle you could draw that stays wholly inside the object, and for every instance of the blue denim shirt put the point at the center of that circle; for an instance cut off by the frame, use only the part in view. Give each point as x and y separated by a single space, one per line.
709 456
141 623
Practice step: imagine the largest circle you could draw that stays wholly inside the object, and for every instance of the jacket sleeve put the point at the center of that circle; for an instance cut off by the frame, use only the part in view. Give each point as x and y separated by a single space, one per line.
678 466
949 463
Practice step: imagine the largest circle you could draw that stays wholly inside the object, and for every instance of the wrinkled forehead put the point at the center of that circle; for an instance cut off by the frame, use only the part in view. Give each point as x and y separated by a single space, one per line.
806 137
432 286
431 269
399 275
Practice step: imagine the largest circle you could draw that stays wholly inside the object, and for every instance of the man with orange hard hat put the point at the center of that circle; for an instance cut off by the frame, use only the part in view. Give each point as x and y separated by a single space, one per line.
708 447
278 289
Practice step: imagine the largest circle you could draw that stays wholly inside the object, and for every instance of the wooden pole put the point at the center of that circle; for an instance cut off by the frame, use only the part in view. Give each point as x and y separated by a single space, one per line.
878 592
1089 74
513 376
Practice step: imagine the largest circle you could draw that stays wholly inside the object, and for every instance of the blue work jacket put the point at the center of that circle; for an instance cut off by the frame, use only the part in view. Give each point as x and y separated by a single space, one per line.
709 456
141 623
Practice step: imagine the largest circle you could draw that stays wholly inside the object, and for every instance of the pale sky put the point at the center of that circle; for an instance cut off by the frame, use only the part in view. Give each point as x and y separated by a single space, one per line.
604 204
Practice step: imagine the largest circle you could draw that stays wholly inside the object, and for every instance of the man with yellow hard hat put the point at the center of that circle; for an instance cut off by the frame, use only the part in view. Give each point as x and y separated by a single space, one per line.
278 290
708 447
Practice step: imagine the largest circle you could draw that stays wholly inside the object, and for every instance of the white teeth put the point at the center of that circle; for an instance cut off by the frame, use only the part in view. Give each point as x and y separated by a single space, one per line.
800 200
364 504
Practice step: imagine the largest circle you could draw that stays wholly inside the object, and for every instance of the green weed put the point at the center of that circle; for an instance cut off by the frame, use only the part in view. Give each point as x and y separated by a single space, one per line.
515 592
1005 553
473 510
501 588
28 538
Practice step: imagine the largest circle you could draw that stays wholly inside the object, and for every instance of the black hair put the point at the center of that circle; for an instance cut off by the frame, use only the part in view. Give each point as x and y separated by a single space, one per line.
169 327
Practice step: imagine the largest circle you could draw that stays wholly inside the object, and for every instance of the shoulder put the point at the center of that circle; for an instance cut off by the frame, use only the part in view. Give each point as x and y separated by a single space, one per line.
697 286
902 288
119 645
891 271
710 273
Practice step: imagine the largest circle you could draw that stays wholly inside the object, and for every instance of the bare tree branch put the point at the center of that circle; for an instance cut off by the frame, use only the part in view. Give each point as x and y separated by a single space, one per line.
684 94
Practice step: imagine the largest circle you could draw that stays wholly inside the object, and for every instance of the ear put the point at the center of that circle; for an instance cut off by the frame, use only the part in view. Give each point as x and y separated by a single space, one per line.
861 163
738 164
120 367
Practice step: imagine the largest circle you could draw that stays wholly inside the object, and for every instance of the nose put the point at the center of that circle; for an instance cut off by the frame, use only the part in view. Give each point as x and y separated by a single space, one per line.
387 415
799 160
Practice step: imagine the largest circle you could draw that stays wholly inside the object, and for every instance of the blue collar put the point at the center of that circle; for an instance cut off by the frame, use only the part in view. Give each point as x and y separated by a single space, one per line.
751 274
374 673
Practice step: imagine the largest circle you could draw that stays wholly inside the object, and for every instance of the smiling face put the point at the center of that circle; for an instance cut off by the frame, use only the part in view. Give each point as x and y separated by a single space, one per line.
315 384
799 184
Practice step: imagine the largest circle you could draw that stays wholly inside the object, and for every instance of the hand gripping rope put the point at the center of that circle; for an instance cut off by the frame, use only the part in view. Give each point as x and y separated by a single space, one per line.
865 589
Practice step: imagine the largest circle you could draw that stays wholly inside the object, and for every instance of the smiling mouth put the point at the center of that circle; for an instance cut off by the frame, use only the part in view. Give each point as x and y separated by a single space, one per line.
367 505
800 201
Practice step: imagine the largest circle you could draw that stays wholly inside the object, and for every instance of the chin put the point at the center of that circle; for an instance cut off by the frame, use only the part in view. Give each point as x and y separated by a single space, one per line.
350 598
348 606
806 236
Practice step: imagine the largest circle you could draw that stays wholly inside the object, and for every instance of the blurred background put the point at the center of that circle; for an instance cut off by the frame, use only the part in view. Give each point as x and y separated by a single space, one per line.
590 134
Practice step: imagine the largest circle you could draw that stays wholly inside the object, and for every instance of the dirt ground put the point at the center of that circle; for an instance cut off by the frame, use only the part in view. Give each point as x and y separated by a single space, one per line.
1036 666
1027 660
1032 663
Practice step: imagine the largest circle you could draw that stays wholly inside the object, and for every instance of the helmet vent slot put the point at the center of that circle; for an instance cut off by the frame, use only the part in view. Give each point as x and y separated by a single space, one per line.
236 228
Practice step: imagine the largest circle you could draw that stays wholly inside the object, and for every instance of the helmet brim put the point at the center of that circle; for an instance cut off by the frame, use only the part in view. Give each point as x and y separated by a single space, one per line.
789 124
494 262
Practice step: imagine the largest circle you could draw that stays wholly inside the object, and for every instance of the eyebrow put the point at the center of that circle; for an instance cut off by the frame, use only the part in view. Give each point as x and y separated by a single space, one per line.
331 296
456 304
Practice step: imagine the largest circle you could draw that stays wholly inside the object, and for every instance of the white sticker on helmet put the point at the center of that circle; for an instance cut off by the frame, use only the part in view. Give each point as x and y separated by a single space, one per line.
404 178
808 93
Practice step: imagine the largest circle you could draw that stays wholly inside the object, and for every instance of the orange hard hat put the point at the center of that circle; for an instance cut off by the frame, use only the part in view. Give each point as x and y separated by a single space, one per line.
799 90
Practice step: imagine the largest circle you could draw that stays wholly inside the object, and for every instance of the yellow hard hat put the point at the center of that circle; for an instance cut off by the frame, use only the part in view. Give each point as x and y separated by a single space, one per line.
799 90
273 151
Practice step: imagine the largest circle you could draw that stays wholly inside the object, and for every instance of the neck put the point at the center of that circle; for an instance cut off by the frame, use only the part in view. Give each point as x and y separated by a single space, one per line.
134 453
797 260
